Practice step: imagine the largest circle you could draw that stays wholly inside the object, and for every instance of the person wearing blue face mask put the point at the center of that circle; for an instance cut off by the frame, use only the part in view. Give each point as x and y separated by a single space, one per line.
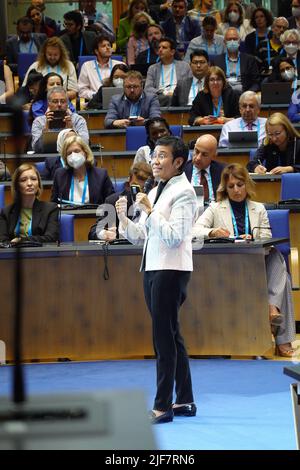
241 69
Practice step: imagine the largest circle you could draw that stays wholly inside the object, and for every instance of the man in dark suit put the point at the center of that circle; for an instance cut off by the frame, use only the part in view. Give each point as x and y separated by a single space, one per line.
203 168
187 89
241 69
25 41
77 42
132 107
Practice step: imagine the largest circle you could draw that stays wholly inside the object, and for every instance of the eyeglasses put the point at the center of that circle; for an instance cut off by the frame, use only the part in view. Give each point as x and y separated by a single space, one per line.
199 62
58 101
68 24
215 80
275 134
159 156
133 87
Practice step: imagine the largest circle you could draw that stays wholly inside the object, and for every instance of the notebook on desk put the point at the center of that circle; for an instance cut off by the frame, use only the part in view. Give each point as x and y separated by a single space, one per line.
276 93
108 92
242 139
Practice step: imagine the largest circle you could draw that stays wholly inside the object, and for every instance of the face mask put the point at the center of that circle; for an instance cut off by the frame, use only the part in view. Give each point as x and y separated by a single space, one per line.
118 82
141 27
296 11
76 160
232 45
291 48
288 75
233 16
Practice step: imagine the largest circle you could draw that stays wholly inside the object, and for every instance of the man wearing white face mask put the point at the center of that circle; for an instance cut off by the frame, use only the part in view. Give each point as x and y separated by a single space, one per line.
93 72
241 69
294 20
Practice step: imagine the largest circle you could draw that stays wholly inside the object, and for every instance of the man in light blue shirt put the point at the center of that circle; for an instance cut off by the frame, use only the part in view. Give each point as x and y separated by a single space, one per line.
211 42
249 104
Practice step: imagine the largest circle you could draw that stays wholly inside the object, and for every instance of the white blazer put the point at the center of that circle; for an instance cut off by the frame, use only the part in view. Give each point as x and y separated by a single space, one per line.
218 214
167 232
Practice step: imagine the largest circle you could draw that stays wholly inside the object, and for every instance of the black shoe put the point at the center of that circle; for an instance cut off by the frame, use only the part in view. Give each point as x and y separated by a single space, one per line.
185 410
166 417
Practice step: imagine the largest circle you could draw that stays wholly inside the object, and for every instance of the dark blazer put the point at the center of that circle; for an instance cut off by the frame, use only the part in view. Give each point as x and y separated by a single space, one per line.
181 93
12 48
203 105
249 70
216 169
88 40
100 185
112 199
270 156
51 165
45 226
191 29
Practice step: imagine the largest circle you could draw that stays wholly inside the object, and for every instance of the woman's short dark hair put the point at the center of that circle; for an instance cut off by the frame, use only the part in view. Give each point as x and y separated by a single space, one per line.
108 81
267 14
179 148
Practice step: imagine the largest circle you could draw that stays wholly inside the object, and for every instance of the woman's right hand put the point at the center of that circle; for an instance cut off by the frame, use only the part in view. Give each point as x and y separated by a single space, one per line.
260 169
121 208
219 232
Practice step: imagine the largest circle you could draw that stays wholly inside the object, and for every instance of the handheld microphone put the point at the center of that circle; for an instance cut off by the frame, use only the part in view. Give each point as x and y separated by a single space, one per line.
258 227
149 184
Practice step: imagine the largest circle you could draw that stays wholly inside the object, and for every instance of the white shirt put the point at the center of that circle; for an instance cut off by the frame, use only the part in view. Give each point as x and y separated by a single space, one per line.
240 125
168 72
69 78
78 191
90 80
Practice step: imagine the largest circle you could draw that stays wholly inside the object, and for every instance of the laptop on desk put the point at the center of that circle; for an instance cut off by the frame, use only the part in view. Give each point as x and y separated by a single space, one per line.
276 93
50 142
242 139
108 92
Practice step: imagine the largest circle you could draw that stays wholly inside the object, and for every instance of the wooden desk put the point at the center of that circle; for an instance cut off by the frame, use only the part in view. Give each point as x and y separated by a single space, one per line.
72 312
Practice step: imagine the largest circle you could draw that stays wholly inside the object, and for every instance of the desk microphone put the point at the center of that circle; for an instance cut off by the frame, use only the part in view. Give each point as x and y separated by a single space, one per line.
257 227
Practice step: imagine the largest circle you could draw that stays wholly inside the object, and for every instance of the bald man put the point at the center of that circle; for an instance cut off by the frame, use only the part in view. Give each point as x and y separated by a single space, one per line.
203 168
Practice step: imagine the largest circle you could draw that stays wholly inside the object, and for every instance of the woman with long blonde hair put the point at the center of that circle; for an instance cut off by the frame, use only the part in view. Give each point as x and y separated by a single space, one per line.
53 57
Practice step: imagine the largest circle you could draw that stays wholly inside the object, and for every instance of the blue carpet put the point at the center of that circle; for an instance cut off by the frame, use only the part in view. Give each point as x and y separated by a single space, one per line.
241 404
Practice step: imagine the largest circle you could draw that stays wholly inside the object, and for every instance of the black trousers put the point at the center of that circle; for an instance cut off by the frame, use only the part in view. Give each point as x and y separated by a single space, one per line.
165 292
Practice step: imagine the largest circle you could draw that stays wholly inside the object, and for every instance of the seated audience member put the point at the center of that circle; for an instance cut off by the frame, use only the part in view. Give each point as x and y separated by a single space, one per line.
235 214
138 41
52 163
94 72
46 20
39 25
249 104
217 103
40 102
188 88
156 128
125 24
179 26
29 92
241 69
80 182
28 218
211 42
57 101
134 103
280 152
138 175
76 40
284 71
234 18
25 41
271 47
4 172
203 169
291 12
162 77
261 20
94 18
150 56
291 44
53 57
6 83
116 79
203 9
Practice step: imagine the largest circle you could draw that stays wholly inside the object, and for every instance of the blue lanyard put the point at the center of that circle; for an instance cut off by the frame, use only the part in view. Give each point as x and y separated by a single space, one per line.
236 232
172 75
238 66
71 196
31 45
17 229
81 46
51 68
98 69
257 126
268 46
148 56
195 88
62 162
196 178
216 111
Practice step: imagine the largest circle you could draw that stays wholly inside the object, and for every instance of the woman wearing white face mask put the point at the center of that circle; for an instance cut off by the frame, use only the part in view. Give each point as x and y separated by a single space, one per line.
115 79
291 42
234 17
79 182
284 71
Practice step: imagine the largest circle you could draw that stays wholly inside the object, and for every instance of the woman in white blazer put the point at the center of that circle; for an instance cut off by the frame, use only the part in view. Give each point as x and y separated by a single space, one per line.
236 215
